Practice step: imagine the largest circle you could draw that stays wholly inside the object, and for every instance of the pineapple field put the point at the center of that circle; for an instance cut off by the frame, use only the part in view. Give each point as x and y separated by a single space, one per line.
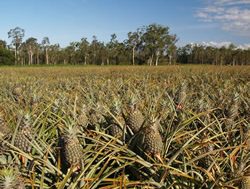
125 127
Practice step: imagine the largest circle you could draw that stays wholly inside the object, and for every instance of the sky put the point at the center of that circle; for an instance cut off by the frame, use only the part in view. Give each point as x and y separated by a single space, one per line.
214 22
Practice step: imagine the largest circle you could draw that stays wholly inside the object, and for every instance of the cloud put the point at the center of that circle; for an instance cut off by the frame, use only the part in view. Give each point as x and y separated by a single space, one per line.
222 44
231 2
231 15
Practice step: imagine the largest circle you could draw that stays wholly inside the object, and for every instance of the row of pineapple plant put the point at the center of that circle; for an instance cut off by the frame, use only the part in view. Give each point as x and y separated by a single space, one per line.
114 129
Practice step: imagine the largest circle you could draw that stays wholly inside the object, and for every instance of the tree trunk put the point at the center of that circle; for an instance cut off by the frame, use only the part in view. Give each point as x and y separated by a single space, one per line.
16 55
47 56
234 61
37 58
107 61
222 61
85 60
150 60
31 57
170 59
133 56
157 60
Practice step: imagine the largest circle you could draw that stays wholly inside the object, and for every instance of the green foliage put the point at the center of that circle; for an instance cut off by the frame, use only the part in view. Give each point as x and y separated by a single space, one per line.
6 57
199 54
152 44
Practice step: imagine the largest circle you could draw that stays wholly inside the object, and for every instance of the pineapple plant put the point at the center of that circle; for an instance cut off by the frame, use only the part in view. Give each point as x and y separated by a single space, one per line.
196 145
82 119
116 121
95 116
24 136
134 119
4 128
10 178
233 111
71 149
5 131
149 140
115 131
18 93
182 95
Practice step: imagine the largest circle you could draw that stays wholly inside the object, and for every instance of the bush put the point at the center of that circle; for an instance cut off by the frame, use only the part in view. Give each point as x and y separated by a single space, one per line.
6 57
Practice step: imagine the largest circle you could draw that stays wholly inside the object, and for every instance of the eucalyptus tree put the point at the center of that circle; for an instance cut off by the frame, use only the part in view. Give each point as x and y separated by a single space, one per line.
184 54
17 35
23 52
45 44
94 49
156 41
55 54
31 44
38 51
70 55
84 50
112 47
133 42
102 53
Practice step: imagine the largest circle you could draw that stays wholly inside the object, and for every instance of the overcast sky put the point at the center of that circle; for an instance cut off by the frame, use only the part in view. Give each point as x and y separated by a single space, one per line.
64 21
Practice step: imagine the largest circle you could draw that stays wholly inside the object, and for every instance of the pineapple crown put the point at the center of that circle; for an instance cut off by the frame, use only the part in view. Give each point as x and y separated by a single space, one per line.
35 98
68 130
132 101
116 107
18 90
163 104
154 122
84 106
234 108
8 178
99 106
26 119
183 92
236 96
56 105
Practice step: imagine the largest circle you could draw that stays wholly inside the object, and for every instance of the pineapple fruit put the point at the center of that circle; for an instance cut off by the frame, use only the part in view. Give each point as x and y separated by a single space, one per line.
149 140
182 95
71 148
24 134
82 119
115 131
134 119
17 93
4 129
116 124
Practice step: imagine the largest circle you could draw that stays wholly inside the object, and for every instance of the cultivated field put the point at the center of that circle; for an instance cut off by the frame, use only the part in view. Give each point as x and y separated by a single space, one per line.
125 127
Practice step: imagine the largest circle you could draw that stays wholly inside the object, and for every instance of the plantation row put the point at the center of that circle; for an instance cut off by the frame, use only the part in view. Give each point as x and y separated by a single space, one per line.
114 127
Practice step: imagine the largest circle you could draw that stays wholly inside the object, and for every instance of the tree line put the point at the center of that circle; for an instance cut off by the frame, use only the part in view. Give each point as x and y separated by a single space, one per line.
150 45
202 54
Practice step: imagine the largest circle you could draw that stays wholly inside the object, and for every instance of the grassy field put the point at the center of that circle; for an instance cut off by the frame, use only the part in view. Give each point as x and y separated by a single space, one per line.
125 127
